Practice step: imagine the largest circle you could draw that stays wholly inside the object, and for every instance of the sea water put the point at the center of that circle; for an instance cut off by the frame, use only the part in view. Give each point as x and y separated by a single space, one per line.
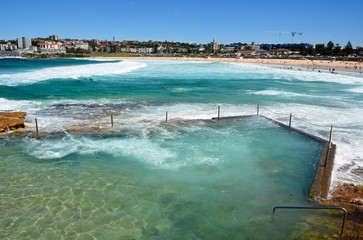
188 178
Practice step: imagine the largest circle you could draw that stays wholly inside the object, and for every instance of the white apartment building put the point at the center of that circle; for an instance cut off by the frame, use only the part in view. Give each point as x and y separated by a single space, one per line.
24 43
129 50
54 37
228 49
81 45
8 47
213 46
145 50
51 47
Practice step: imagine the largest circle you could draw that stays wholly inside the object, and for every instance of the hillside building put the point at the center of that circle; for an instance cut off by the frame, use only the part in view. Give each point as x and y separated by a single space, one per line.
54 37
24 43
213 46
50 47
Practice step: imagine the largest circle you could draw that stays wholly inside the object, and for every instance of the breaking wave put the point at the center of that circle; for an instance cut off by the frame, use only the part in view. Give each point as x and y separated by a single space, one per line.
73 72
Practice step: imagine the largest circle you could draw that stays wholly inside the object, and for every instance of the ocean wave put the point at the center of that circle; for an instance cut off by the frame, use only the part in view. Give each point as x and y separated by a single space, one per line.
18 105
356 90
54 116
347 132
344 111
274 72
73 72
274 93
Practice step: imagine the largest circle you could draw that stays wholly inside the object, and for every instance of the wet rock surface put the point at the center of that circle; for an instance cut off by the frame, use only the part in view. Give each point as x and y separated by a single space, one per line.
350 197
11 120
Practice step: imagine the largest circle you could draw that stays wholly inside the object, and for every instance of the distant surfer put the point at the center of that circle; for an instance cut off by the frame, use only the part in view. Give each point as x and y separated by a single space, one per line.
91 79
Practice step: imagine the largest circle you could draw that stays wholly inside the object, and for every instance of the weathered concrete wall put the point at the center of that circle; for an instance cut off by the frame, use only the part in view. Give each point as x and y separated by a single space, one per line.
321 185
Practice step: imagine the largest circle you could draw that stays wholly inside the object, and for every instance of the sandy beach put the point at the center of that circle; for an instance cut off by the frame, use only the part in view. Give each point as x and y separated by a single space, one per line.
313 65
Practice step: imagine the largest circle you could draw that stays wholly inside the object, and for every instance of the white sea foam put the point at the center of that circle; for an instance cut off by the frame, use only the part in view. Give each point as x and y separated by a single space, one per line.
347 132
272 92
137 148
189 111
18 105
346 120
73 72
34 105
356 90
345 114
272 72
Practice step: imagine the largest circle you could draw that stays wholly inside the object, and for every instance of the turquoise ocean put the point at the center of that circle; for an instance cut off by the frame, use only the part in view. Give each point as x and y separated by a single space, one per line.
187 178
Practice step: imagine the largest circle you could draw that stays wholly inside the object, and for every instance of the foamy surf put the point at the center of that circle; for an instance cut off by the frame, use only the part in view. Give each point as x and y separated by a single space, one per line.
70 72
272 92
347 132
137 148
281 73
183 89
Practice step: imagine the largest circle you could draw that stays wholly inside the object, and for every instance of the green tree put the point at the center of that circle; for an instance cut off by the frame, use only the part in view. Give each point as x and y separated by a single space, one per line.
338 50
329 50
155 48
310 51
348 49
303 50
330 45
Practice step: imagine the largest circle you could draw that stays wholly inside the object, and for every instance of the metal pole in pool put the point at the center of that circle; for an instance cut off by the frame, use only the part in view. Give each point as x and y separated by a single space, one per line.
36 125
290 120
258 109
219 111
330 135
329 146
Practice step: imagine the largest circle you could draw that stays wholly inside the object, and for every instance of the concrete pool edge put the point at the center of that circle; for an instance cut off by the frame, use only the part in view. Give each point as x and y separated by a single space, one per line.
321 185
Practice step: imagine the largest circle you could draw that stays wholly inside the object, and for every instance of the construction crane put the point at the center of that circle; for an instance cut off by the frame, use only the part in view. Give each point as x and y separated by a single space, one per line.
282 32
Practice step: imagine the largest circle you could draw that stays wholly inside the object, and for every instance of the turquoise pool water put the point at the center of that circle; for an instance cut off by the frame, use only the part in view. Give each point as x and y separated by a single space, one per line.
195 180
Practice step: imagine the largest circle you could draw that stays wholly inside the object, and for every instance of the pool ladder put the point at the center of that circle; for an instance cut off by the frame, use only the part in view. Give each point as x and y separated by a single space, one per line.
344 212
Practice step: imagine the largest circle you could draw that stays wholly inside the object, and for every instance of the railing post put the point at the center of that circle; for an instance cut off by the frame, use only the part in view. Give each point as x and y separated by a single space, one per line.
166 116
219 112
290 120
111 120
329 146
258 109
330 135
36 126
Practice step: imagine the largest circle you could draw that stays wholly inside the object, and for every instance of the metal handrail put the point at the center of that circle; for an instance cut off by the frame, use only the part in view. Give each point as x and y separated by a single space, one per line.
316 208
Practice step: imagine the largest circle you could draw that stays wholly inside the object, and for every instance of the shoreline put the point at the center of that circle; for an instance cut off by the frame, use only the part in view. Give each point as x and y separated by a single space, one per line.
333 66
302 64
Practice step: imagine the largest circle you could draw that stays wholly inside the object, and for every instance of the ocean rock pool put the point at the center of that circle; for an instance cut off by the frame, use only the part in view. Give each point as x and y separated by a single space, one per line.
197 180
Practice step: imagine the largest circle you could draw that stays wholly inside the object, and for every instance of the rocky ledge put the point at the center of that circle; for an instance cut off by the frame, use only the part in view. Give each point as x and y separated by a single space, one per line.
347 195
350 196
11 120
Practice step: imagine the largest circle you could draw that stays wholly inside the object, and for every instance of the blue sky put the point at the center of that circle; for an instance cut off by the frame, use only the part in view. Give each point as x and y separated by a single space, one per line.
187 21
